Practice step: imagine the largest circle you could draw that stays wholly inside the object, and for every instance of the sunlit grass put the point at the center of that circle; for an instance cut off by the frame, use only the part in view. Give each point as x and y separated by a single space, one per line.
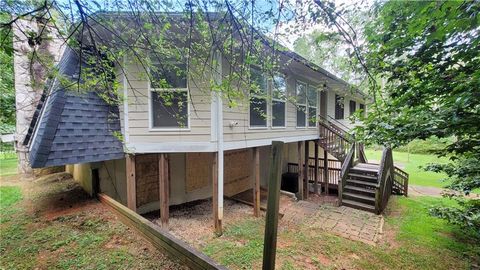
412 164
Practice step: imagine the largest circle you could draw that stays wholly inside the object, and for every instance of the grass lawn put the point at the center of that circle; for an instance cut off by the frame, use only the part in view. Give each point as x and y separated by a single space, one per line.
411 164
53 232
412 240
8 166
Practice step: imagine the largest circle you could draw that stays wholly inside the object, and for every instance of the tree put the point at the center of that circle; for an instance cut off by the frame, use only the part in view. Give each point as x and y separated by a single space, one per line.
7 91
428 54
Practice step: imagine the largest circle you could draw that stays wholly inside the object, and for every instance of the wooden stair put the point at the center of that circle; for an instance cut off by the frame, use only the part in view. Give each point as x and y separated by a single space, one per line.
359 189
362 185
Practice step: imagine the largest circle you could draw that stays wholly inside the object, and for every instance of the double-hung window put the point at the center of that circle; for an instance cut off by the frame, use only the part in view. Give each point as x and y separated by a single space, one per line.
301 89
258 98
279 98
312 106
169 95
353 107
339 110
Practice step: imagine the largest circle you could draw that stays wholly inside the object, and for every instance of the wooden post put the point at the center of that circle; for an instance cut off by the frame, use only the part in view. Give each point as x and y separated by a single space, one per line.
256 185
131 183
216 217
325 170
271 221
315 183
300 170
163 179
306 170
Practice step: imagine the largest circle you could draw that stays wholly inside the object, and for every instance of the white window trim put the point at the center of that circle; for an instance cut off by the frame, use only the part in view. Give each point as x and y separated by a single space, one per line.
281 100
150 109
301 104
316 108
267 110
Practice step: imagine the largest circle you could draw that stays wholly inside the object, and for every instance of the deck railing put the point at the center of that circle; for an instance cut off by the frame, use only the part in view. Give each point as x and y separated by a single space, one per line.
334 168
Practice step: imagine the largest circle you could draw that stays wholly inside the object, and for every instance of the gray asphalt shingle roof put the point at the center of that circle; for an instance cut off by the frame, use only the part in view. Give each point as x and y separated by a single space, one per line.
74 127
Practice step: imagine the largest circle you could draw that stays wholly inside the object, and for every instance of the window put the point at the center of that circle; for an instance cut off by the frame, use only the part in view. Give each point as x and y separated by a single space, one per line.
312 106
301 104
339 113
258 98
353 107
169 95
279 98
362 109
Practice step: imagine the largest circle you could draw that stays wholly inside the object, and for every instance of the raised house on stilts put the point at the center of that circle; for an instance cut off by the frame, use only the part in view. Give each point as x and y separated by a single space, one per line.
150 153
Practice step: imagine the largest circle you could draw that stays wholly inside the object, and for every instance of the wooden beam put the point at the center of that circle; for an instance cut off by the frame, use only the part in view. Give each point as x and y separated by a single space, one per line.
160 238
163 177
315 183
306 170
300 170
256 185
325 170
271 221
131 183
216 217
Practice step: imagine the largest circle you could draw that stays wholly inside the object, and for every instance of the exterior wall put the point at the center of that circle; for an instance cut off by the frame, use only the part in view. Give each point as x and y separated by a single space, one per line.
27 93
82 173
113 181
346 122
240 116
138 112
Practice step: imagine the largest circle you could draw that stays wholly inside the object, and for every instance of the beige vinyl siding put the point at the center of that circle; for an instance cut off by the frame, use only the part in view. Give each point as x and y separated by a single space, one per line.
238 117
235 120
138 112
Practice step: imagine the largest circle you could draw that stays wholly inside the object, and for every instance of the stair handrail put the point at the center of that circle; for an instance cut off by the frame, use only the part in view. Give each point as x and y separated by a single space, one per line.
338 123
401 179
347 164
385 180
362 157
336 129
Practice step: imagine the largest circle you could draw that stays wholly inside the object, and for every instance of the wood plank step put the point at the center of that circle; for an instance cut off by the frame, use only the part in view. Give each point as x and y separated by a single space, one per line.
364 169
360 182
359 196
359 205
359 175
369 165
360 189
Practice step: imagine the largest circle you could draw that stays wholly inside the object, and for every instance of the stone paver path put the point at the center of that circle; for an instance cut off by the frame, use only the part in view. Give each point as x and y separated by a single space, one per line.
343 221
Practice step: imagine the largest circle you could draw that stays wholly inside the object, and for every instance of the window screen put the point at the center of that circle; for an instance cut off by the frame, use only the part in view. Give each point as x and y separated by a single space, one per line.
279 91
258 98
168 75
301 90
169 109
353 107
278 113
258 112
339 112
312 106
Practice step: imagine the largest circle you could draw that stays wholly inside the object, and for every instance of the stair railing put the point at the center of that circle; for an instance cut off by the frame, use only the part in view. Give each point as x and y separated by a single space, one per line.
334 140
385 180
400 182
348 163
362 157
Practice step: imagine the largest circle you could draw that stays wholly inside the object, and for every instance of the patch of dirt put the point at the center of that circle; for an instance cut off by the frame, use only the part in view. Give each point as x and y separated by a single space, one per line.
193 222
56 202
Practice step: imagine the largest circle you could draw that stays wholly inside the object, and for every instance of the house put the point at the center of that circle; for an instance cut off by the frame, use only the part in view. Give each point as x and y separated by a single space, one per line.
174 140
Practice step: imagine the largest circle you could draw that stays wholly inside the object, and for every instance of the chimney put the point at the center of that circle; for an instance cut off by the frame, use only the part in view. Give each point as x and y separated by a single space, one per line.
37 48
